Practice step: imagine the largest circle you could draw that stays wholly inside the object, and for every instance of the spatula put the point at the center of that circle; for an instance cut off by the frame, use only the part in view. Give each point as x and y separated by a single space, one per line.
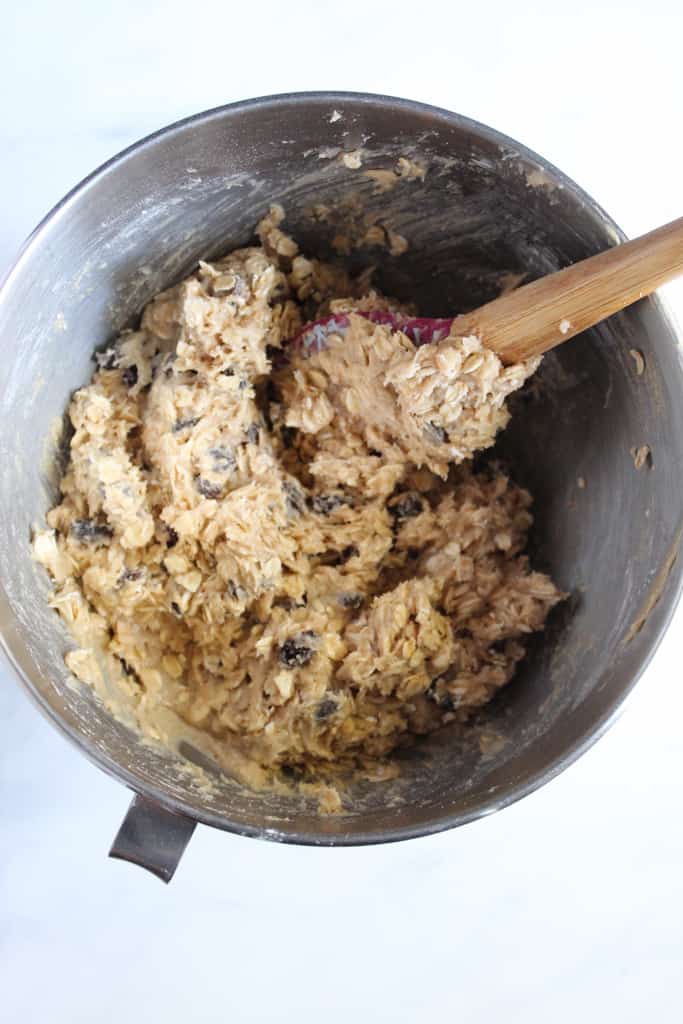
547 312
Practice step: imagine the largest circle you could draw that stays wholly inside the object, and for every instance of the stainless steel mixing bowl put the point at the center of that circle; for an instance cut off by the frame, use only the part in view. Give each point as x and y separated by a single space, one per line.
487 207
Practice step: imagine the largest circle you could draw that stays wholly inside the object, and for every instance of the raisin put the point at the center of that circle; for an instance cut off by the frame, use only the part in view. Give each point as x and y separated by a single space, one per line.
351 600
280 290
325 708
339 557
406 507
108 359
88 531
224 460
129 576
295 652
253 433
436 694
326 503
288 436
172 538
435 433
207 489
185 424
296 503
129 376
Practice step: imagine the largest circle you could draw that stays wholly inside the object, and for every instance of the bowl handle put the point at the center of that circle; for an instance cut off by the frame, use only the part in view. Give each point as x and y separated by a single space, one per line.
152 837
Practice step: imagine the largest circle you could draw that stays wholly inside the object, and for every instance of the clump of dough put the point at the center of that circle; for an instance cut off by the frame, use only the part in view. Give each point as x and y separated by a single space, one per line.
295 559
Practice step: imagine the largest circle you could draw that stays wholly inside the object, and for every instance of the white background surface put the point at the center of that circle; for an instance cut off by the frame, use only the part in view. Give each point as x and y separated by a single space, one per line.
566 906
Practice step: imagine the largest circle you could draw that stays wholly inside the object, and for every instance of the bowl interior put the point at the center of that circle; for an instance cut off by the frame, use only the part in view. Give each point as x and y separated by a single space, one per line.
486 209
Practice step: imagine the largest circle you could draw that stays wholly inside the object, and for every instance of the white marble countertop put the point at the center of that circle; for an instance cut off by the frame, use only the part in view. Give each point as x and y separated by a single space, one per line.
552 910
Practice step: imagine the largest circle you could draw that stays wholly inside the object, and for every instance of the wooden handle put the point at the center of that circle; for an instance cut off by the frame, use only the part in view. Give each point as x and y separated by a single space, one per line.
543 314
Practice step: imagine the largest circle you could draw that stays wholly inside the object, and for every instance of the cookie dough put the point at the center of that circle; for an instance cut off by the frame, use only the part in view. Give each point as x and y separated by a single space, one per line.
290 551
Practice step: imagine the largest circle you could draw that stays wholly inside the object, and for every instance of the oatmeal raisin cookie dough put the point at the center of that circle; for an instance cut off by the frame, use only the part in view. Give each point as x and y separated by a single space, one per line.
290 551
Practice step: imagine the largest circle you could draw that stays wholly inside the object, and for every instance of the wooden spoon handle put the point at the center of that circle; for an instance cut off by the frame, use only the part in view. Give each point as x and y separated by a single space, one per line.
543 314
